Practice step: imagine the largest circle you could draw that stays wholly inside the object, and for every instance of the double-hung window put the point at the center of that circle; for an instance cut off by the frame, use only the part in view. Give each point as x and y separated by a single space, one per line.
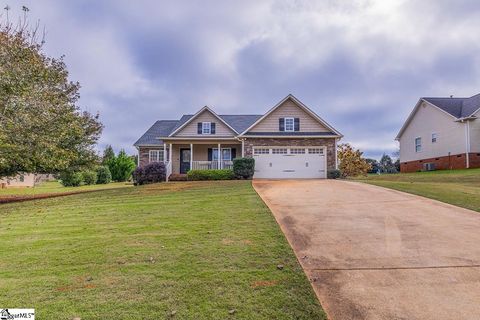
289 124
155 156
206 127
434 137
418 144
226 154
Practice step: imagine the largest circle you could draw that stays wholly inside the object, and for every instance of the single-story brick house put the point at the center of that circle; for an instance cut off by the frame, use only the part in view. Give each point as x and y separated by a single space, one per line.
441 133
288 141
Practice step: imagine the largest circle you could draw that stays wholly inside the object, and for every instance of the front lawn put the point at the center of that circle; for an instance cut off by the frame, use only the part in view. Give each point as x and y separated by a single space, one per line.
55 187
457 187
191 250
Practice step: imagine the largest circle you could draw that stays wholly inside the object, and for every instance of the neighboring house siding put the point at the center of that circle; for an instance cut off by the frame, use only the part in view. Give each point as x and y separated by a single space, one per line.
327 142
20 180
428 120
289 109
475 134
206 116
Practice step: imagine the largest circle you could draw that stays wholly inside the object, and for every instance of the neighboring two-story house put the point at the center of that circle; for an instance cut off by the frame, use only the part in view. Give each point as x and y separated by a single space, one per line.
441 133
288 141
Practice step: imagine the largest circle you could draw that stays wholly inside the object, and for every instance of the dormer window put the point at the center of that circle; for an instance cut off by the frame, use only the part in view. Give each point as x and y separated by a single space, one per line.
289 124
206 127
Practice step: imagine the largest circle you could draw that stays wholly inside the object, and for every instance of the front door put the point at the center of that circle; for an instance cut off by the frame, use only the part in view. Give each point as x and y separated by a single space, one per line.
185 155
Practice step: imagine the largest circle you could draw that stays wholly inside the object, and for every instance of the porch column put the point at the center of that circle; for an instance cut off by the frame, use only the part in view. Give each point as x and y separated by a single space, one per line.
170 151
191 156
243 148
164 152
219 155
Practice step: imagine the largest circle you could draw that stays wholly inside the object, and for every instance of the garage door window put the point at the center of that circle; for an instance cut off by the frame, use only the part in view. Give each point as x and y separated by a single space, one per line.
261 151
315 151
297 151
279 151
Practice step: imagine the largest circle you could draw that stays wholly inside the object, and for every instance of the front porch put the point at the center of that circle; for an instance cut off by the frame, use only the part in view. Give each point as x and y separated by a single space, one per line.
201 155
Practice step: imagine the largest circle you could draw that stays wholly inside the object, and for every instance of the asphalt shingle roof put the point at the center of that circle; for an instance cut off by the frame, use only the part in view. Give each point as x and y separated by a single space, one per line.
240 122
293 133
457 107
160 128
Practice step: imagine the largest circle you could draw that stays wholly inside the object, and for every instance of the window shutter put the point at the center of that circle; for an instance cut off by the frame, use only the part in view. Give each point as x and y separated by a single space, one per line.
210 154
199 128
281 124
212 127
234 153
296 124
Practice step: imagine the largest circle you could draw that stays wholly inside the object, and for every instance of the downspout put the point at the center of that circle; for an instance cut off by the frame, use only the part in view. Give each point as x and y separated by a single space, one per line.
467 141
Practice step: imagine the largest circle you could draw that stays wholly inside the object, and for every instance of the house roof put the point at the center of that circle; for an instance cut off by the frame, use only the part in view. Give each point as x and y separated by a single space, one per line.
160 128
240 122
458 108
289 134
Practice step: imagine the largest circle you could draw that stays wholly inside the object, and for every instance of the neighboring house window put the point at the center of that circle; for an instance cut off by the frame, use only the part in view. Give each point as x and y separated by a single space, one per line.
155 156
226 154
434 137
289 124
206 127
418 144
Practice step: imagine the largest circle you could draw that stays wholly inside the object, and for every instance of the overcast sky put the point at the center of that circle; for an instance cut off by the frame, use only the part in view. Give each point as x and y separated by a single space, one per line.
361 65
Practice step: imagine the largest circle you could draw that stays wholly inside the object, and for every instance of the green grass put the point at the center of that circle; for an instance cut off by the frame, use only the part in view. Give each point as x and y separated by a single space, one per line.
457 187
56 187
197 248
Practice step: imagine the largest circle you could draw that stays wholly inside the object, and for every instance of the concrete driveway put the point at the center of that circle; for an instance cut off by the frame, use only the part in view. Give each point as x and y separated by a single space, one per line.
375 253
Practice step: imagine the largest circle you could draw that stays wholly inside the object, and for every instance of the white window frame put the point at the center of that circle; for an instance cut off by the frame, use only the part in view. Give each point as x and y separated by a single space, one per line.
155 156
206 128
418 146
292 124
215 151
261 150
434 137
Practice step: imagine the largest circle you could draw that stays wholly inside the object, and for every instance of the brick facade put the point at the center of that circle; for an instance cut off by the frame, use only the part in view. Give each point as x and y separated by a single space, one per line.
143 154
327 142
458 161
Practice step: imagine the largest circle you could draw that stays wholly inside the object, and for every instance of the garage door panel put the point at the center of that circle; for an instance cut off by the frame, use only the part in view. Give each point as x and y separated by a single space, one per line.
297 165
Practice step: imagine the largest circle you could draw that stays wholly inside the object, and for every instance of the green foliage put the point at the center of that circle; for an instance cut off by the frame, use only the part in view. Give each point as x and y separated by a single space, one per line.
108 155
42 129
219 174
71 178
103 175
387 165
121 166
89 177
334 174
374 165
244 167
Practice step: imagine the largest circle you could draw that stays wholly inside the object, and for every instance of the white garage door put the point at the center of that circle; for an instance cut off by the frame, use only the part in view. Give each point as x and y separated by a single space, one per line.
290 162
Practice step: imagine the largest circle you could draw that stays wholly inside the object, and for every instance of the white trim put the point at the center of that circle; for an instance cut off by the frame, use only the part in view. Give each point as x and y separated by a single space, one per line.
412 114
164 152
157 156
200 137
292 137
285 124
213 150
243 148
206 125
415 143
196 115
434 136
191 155
301 105
467 141
219 156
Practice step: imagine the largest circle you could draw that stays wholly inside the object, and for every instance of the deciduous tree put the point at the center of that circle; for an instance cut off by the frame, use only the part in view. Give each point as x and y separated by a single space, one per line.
351 162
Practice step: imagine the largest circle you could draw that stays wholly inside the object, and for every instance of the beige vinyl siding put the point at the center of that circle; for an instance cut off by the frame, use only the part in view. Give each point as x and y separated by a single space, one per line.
206 116
289 109
475 134
428 120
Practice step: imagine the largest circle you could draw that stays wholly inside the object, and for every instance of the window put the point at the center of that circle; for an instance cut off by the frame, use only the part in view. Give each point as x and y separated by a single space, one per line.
279 151
315 151
226 154
206 127
434 138
261 151
155 156
297 151
418 144
289 124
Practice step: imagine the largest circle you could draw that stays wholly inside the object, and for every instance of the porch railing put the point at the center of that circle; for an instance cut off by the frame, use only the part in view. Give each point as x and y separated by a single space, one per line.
211 165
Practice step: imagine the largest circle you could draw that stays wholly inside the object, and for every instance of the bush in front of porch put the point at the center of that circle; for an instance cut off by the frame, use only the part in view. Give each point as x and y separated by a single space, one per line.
216 174
244 168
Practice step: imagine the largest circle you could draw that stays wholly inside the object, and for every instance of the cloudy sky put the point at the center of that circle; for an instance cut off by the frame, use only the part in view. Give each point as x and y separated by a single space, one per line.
361 65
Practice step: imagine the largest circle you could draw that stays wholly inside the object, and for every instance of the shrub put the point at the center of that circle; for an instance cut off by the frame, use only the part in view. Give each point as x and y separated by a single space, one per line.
220 174
150 173
71 178
103 175
244 168
351 162
121 166
333 174
89 177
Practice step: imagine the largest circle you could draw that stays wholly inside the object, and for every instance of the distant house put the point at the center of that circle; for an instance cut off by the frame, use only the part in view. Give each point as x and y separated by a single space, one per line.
441 133
288 141
25 180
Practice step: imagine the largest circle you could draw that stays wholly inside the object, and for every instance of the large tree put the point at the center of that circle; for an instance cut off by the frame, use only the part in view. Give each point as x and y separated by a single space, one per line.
42 129
351 161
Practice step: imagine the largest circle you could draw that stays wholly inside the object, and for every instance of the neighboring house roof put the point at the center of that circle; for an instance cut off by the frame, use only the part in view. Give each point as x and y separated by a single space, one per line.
160 128
458 108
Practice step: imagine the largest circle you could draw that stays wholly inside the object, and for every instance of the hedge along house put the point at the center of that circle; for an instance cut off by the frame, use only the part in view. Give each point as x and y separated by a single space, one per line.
288 141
